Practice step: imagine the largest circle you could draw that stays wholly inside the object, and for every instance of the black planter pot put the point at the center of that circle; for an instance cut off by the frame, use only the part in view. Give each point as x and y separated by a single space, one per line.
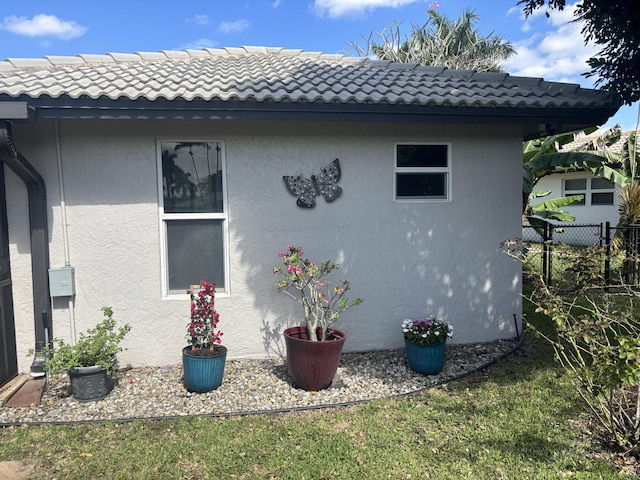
90 384
312 365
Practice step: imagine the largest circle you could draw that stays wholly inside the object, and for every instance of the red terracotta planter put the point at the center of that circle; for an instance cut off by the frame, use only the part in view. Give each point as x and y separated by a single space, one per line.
312 365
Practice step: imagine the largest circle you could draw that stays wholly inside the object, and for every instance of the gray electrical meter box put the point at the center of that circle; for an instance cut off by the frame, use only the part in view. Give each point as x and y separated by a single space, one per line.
62 282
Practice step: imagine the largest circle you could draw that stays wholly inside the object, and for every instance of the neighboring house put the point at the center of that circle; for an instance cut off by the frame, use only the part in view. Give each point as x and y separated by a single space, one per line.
601 200
600 203
145 172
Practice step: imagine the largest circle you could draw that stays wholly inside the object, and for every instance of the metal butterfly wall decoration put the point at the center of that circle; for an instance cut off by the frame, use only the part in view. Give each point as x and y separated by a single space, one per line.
307 189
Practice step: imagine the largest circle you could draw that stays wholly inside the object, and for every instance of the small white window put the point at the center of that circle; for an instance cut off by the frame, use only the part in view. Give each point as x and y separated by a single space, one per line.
596 191
193 214
422 172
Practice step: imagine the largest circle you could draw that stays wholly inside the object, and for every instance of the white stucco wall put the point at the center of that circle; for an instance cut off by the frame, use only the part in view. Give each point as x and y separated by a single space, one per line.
584 214
405 260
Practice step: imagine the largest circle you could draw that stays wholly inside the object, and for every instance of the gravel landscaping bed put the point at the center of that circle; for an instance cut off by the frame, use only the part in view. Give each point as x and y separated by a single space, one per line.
250 386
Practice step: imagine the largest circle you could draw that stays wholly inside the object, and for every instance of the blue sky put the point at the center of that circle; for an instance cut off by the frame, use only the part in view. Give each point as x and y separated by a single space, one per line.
552 48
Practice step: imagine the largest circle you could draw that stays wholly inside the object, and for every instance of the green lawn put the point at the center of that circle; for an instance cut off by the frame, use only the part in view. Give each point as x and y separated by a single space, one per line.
520 418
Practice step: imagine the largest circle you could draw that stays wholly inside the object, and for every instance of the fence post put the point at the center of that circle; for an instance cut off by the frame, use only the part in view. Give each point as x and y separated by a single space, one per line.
543 258
628 265
547 237
634 246
607 256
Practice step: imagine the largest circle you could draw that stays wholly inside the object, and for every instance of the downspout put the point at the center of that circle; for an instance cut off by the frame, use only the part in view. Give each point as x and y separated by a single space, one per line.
39 234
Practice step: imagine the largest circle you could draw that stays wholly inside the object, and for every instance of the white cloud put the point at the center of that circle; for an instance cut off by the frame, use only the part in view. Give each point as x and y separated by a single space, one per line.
43 26
199 19
199 44
557 54
556 18
233 27
340 8
275 4
561 17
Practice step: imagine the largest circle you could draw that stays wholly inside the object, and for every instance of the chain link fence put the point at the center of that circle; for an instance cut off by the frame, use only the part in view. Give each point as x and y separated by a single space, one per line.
557 252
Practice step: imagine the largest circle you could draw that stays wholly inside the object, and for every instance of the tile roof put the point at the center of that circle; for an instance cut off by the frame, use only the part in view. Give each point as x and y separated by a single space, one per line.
590 141
267 76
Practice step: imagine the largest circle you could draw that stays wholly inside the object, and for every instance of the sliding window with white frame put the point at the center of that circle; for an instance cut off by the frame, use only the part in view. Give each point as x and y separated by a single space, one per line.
422 172
193 212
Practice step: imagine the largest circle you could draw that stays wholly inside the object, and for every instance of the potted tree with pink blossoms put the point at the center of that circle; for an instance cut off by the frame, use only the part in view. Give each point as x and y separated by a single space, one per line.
204 359
313 348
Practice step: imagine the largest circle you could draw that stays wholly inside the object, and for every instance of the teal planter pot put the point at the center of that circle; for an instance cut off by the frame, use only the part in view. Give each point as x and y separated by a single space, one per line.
426 359
203 372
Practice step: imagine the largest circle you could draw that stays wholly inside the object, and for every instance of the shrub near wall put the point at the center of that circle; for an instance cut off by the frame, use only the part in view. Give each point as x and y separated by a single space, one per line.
597 341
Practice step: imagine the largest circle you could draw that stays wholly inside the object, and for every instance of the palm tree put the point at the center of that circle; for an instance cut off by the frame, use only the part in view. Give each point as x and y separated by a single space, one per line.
441 42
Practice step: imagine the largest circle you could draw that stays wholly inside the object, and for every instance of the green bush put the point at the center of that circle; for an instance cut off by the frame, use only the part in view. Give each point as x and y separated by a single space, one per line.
597 340
96 346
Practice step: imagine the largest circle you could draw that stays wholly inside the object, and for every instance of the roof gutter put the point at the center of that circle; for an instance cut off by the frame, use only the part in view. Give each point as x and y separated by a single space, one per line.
536 122
39 233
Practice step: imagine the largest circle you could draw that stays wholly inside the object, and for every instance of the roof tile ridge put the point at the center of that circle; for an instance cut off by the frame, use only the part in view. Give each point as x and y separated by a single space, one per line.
332 56
489 76
347 59
376 62
97 58
403 66
291 52
160 55
310 54
56 60
430 69
22 63
192 53
176 54
520 80
457 72
252 49
124 57
237 51
216 52
234 50
564 87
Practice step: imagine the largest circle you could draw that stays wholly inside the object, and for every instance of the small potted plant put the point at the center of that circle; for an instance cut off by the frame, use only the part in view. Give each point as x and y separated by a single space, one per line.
313 349
90 362
426 343
204 359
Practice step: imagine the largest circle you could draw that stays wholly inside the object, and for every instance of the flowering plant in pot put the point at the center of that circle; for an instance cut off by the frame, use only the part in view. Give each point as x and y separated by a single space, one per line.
204 359
89 361
322 302
427 331
425 341
313 349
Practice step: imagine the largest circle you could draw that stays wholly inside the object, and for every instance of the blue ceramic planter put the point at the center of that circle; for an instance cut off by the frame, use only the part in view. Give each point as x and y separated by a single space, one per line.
203 373
426 359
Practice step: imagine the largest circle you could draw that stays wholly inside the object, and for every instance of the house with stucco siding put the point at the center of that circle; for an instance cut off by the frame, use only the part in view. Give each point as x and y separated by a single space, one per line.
601 199
128 177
